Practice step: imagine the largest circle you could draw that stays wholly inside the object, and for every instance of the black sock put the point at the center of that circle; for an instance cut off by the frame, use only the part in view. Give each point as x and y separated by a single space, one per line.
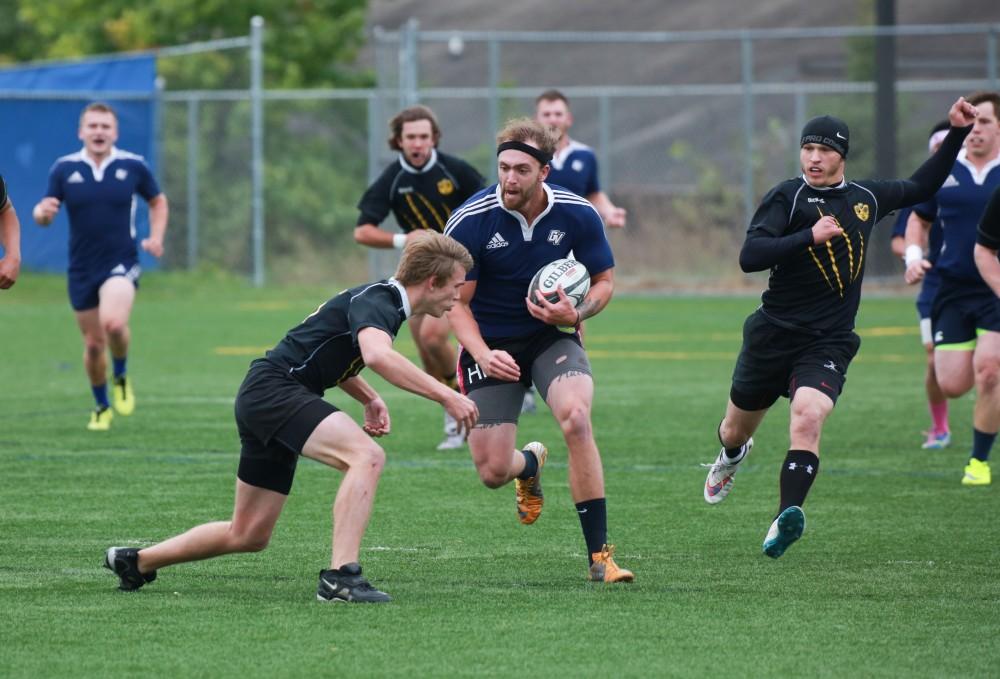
981 444
530 465
594 521
798 472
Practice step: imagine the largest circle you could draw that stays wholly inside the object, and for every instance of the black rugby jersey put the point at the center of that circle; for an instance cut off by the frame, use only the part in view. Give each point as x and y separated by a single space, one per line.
3 193
420 198
988 232
817 288
322 351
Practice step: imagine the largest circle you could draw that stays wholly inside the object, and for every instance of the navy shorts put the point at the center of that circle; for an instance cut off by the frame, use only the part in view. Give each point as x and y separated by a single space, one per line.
928 291
960 309
775 361
84 286
275 416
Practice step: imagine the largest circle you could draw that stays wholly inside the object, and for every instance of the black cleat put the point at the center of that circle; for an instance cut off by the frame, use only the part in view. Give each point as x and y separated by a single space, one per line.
124 561
348 585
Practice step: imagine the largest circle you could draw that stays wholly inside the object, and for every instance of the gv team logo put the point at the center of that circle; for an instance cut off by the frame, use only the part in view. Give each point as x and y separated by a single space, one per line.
555 237
445 187
861 210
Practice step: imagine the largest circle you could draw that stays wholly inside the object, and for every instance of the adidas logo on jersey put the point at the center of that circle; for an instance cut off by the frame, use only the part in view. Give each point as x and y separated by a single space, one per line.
496 242
75 178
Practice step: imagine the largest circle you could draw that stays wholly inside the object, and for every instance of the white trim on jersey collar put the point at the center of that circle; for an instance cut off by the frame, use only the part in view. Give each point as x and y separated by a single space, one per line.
978 176
113 155
842 184
407 310
559 157
431 162
525 226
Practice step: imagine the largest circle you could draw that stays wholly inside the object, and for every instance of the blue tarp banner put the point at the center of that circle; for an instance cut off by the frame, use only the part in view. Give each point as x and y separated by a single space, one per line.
35 132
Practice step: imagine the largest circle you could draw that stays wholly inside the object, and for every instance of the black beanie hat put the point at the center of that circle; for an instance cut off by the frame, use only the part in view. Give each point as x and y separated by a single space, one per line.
828 131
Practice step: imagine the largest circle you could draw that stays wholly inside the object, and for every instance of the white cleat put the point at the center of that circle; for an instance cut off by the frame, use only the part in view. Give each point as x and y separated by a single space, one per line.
454 437
721 473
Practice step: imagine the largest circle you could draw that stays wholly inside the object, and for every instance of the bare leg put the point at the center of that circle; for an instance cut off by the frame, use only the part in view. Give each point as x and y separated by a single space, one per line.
95 361
494 452
986 363
570 397
339 442
254 515
117 295
739 425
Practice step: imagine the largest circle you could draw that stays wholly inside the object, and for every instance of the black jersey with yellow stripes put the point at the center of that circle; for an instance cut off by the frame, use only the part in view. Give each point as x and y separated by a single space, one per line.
322 351
420 198
818 287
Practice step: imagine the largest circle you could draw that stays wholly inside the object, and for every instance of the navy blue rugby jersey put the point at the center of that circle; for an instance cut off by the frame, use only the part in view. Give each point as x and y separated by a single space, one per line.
575 168
100 202
507 252
958 206
322 351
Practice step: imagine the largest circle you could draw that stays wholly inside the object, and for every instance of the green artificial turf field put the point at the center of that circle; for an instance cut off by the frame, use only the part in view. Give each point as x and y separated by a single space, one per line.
896 574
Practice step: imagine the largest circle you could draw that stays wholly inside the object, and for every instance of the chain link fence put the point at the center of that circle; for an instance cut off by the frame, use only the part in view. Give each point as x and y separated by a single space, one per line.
690 130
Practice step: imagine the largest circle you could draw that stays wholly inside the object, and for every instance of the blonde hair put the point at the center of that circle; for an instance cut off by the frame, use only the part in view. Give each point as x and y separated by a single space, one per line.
527 130
98 107
431 255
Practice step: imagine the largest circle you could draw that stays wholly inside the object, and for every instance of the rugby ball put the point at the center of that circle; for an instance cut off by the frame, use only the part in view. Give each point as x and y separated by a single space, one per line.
570 274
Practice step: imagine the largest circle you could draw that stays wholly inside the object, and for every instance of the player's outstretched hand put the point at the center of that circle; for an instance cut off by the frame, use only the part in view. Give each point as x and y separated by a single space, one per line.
825 229
153 246
962 113
9 268
463 409
377 422
915 272
46 210
500 365
562 313
616 218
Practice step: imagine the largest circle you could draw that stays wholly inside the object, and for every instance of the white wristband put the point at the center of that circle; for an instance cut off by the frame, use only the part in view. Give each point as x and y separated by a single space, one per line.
913 253
399 240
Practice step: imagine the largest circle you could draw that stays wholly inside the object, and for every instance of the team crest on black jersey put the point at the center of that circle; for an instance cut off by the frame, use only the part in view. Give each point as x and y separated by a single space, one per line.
446 187
839 275
861 210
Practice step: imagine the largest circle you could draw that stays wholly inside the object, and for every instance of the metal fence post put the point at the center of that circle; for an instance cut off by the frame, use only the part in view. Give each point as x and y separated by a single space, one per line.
604 139
991 57
748 123
192 182
494 86
257 145
408 66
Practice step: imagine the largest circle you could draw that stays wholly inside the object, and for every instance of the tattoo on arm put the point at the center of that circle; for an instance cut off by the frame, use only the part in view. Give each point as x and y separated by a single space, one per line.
586 309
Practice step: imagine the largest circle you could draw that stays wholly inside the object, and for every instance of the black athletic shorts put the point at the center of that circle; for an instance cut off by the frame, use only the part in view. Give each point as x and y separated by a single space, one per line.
542 357
775 361
275 415
960 310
